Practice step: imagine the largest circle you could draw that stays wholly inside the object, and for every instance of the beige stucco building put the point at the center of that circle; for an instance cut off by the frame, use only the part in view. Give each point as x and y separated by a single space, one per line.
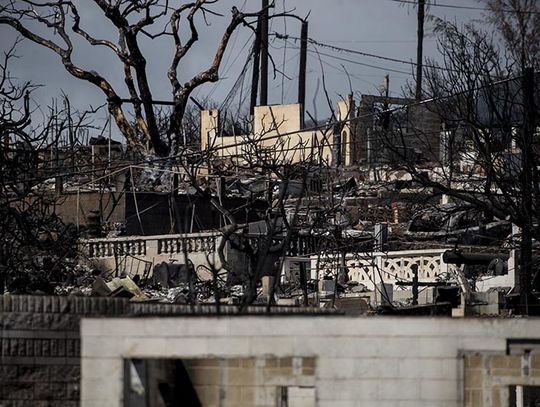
279 134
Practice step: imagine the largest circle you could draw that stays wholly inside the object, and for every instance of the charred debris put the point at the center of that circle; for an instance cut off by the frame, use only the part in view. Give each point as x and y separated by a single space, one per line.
357 239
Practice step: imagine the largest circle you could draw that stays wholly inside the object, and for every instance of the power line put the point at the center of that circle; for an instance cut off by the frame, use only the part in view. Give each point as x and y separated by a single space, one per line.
352 61
157 160
454 6
342 72
366 54
376 41
391 110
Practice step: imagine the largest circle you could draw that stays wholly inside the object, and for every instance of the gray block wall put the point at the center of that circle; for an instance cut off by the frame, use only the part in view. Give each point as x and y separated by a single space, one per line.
40 347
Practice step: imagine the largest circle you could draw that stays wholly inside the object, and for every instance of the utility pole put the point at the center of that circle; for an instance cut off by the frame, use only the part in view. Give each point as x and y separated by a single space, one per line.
386 114
302 71
527 161
264 54
420 48
70 133
256 67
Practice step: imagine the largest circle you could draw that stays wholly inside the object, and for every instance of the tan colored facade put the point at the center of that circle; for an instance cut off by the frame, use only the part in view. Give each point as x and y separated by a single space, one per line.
491 378
247 382
278 134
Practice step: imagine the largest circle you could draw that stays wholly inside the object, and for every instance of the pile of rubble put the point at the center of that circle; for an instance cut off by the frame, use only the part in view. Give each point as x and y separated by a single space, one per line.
170 283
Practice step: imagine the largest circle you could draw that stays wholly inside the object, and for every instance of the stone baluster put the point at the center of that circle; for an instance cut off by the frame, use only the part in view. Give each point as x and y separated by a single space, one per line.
180 245
166 246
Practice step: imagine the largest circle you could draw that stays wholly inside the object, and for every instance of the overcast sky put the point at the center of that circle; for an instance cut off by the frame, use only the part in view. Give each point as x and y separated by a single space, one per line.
382 27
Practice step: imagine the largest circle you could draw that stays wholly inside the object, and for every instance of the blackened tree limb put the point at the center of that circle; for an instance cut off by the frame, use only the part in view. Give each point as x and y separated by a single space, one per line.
90 76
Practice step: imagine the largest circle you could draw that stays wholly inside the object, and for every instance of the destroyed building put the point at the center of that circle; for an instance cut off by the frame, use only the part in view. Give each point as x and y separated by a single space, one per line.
371 258
279 131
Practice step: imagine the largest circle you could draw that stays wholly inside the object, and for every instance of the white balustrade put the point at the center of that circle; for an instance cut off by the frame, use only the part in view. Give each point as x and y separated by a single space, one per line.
111 248
371 268
188 244
140 245
366 268
105 252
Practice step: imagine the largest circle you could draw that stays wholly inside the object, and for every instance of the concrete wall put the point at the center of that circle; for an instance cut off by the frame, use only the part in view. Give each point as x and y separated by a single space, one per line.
75 208
420 131
346 111
270 122
382 361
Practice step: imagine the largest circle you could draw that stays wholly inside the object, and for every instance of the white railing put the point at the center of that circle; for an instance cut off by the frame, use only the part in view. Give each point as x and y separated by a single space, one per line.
149 245
98 248
370 268
106 253
190 244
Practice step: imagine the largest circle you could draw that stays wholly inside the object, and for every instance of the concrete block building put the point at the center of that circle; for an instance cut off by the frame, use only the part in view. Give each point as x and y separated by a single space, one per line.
278 131
330 360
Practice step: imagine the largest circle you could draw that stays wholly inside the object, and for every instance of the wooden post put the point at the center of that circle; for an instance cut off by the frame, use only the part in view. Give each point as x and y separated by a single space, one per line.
420 48
264 55
386 114
256 67
302 71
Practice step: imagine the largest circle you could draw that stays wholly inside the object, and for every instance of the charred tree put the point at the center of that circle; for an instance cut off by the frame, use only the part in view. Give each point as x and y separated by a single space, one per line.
132 21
